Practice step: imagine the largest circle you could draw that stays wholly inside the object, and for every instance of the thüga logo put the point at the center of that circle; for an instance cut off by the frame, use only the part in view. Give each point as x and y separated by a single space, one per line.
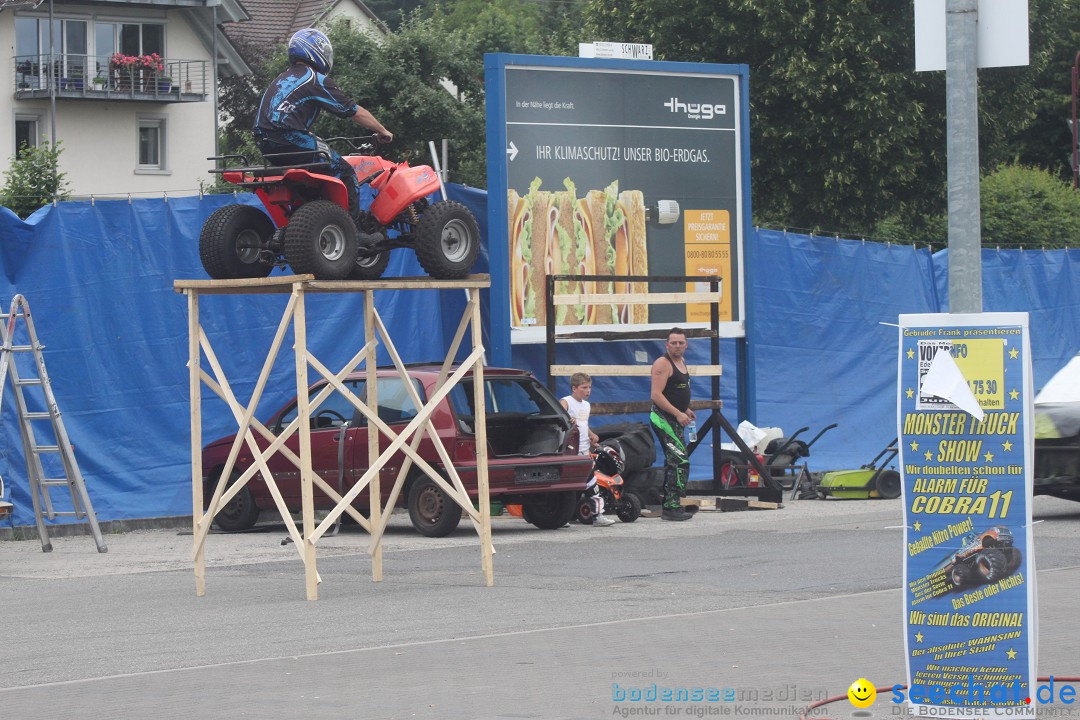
695 111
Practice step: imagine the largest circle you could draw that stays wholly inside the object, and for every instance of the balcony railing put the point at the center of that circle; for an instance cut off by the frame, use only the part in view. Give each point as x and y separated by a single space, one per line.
92 77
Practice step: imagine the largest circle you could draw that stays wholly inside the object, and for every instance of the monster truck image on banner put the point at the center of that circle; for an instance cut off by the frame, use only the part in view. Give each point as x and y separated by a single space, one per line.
616 168
965 409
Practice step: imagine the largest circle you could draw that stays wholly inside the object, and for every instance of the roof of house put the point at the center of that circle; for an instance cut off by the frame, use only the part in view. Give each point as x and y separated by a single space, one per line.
273 21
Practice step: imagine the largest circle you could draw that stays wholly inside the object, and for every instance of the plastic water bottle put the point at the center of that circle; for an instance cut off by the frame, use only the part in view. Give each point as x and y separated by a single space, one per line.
691 431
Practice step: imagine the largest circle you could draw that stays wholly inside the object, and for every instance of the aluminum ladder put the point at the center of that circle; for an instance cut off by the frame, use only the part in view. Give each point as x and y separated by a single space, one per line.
32 448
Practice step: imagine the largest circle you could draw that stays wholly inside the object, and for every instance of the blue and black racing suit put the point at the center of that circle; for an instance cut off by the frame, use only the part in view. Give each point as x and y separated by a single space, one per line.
287 111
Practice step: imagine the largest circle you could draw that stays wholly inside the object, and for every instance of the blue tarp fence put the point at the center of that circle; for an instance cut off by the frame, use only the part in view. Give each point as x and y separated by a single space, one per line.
99 279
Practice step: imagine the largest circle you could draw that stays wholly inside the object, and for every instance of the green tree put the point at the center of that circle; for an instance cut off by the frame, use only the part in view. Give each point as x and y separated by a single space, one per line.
34 179
1029 207
1020 206
423 82
844 133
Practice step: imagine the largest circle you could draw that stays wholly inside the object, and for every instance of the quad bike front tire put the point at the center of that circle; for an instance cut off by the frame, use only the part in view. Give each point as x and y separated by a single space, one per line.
447 241
320 239
231 242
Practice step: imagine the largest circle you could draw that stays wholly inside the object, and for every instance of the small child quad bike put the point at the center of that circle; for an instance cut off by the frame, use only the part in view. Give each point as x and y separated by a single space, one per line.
607 478
310 230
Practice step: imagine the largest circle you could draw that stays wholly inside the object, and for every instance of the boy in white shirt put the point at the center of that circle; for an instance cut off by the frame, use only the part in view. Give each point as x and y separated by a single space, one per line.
577 404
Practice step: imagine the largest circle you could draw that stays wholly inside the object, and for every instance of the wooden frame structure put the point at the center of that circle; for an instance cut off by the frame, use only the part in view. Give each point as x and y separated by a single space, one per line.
407 442
716 420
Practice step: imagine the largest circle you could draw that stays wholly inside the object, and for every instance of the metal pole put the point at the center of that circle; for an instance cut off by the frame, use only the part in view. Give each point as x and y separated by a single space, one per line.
1075 88
445 150
962 148
52 78
214 31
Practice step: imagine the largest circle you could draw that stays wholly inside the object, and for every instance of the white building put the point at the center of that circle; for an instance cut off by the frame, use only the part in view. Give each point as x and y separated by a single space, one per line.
144 128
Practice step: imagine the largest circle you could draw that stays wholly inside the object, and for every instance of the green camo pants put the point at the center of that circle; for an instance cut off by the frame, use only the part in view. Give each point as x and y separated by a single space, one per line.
676 463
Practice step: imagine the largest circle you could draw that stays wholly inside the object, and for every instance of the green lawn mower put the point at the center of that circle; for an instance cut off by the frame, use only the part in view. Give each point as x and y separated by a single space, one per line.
873 480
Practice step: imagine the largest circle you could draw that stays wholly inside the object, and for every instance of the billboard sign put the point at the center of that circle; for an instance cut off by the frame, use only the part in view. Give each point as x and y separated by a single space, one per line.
965 410
615 167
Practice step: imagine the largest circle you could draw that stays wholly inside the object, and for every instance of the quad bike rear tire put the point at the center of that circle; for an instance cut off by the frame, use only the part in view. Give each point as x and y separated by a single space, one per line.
447 240
231 242
321 239
370 267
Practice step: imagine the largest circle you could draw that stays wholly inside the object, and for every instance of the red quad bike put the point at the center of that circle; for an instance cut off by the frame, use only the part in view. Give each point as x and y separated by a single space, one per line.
310 230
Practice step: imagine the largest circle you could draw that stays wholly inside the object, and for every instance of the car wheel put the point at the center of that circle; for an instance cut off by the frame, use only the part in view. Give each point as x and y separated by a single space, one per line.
321 239
240 513
550 511
231 242
887 484
431 511
991 565
447 241
629 507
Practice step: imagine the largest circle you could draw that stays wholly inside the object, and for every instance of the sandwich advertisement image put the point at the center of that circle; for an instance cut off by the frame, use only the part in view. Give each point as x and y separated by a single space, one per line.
618 171
559 233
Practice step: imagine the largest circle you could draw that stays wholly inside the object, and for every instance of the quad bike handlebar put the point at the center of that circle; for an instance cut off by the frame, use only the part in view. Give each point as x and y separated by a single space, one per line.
360 143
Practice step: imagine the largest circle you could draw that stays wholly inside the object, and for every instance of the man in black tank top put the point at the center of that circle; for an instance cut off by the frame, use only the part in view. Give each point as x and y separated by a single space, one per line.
670 414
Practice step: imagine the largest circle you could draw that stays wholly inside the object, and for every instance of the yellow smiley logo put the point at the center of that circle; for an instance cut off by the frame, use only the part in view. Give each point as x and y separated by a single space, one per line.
862 693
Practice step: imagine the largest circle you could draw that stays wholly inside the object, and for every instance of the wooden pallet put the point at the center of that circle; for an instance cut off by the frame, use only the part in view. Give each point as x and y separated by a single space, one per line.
728 504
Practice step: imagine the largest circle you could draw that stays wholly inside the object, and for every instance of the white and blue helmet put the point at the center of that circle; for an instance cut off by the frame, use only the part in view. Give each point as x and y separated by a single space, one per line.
313 47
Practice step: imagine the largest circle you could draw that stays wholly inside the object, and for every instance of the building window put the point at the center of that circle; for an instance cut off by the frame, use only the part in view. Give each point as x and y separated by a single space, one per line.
32 40
26 133
151 143
126 38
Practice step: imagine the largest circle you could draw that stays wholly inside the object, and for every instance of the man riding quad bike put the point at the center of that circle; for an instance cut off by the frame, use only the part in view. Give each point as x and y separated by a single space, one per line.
313 221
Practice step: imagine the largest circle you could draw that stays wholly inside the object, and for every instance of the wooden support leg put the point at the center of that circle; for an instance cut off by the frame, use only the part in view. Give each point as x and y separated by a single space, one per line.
303 412
195 392
374 490
483 495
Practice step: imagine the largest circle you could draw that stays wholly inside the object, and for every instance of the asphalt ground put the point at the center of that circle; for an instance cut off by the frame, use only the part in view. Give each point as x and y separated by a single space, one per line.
782 607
